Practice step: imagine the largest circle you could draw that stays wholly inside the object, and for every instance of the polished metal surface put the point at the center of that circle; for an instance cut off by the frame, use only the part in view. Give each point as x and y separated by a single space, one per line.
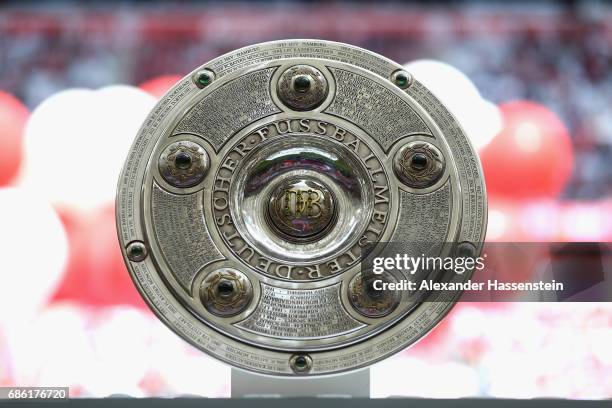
370 302
183 164
302 87
261 180
418 164
226 292
302 209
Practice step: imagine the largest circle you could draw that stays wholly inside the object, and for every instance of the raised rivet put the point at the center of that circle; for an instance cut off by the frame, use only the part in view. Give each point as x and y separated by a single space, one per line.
402 79
300 363
183 164
226 292
369 301
301 83
418 164
136 251
302 87
203 78
466 250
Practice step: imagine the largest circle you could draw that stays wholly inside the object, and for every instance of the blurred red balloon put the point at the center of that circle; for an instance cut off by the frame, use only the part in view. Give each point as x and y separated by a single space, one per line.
13 118
96 274
160 85
531 157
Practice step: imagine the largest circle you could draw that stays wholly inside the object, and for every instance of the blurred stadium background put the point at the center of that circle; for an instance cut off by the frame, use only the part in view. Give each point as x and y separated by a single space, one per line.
531 83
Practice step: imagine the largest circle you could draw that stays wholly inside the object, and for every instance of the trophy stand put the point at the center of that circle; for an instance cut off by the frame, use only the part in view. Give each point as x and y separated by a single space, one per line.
355 384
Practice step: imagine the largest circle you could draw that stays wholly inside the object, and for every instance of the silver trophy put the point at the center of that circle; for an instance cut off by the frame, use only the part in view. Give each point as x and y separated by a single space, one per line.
257 184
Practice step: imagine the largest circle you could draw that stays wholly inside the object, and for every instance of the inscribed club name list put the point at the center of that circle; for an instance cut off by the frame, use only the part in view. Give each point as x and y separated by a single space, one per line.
358 147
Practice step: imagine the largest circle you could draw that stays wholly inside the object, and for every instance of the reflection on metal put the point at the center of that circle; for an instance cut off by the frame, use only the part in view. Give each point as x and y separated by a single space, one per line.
261 181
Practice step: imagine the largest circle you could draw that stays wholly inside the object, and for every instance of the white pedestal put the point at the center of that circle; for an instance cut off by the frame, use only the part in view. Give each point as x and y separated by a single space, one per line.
355 384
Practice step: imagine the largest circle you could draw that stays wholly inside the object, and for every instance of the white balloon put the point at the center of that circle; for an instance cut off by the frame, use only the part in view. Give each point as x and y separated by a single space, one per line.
444 80
77 140
121 352
52 348
480 118
446 379
181 365
33 253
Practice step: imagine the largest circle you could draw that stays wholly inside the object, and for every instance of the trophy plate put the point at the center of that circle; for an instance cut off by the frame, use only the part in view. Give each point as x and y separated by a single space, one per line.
257 184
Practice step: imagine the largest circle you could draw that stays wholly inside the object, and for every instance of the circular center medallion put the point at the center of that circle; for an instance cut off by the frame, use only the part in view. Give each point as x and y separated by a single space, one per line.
302 209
